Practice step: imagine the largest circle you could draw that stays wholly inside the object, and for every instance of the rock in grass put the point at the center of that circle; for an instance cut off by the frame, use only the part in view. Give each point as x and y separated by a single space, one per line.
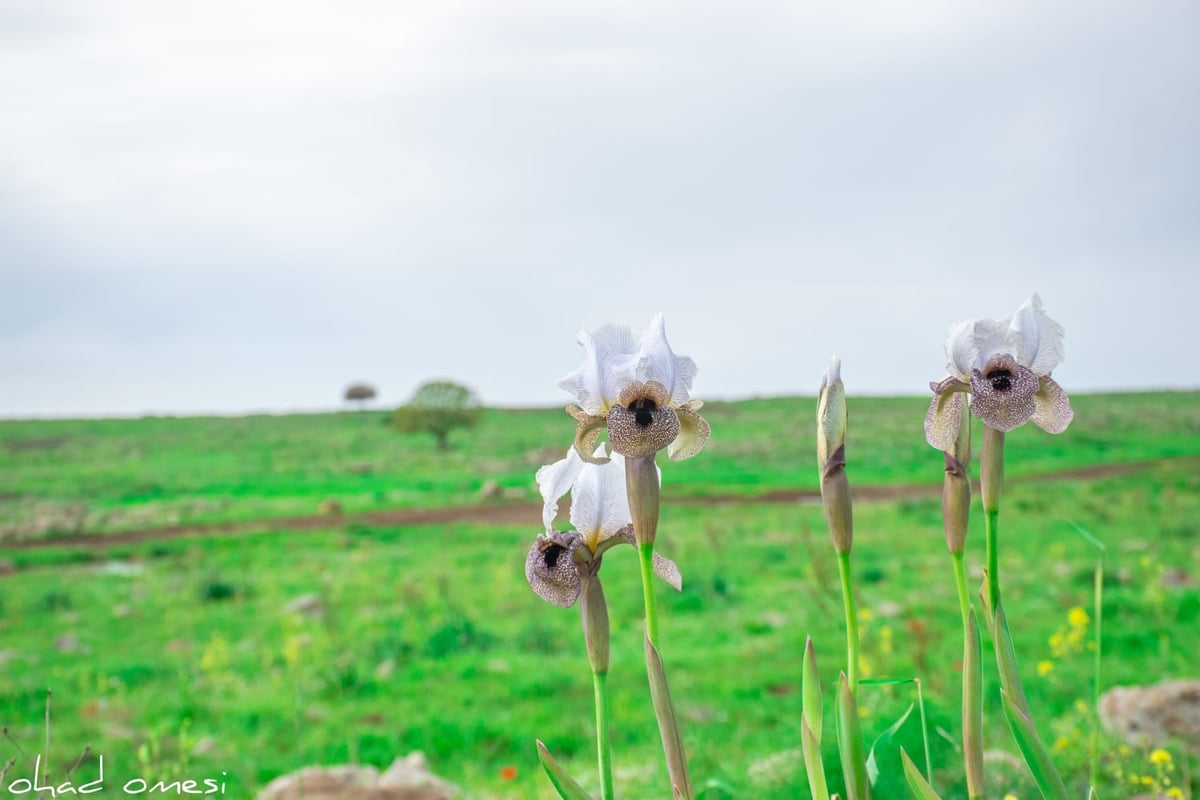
1156 715
407 778
307 605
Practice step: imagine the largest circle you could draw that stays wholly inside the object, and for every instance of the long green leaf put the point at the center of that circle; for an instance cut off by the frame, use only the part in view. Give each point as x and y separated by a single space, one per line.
811 702
973 708
1006 660
668 725
850 743
916 781
813 764
1048 781
564 784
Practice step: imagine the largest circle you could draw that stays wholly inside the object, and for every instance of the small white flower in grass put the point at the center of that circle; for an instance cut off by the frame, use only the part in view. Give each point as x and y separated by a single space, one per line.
638 389
1005 365
601 518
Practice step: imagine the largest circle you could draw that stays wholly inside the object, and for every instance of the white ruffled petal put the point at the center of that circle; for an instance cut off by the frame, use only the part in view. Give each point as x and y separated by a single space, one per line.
599 501
609 361
970 345
656 362
1037 340
555 480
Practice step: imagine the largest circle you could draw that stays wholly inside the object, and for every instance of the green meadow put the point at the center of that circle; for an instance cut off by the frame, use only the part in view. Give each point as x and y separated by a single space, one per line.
242 652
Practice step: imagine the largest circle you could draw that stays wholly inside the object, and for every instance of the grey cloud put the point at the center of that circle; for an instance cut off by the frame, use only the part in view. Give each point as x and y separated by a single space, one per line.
258 209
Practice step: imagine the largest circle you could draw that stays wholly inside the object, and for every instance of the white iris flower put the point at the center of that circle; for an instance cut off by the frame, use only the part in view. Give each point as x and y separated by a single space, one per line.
601 518
638 389
1005 365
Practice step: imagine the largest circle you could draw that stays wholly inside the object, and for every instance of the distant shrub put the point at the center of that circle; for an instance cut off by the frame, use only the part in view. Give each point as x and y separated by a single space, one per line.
359 393
438 407
216 590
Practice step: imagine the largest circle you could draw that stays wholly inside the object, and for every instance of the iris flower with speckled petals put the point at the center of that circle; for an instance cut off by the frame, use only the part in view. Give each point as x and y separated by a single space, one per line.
600 515
1005 365
638 389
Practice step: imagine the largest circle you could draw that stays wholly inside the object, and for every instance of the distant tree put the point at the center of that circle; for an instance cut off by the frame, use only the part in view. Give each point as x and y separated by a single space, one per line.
438 407
360 393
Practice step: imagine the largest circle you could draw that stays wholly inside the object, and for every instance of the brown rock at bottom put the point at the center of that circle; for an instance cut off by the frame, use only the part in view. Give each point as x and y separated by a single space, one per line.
407 778
1159 714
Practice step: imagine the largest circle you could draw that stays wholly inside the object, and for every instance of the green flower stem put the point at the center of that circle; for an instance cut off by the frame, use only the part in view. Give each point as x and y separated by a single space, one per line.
851 622
641 485
646 554
991 479
993 559
603 742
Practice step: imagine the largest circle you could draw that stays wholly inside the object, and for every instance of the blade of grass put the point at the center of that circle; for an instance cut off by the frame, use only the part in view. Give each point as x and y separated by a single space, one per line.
880 747
1098 599
920 707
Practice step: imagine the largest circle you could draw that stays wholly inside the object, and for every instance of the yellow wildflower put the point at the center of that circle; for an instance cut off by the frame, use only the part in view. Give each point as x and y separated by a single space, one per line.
1160 757
1077 617
1044 667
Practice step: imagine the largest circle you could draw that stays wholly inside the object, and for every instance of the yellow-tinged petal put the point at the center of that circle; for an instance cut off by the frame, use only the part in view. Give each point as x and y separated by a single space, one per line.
587 434
693 433
1051 407
943 421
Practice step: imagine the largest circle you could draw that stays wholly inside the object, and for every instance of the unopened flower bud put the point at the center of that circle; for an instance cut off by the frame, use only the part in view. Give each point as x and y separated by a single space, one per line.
831 413
595 623
831 455
641 482
956 491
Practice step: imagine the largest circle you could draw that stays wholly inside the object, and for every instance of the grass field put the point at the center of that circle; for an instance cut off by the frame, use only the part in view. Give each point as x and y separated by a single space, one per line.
177 656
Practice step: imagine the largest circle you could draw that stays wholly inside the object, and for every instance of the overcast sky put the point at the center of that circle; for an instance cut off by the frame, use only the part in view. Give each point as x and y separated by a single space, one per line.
232 205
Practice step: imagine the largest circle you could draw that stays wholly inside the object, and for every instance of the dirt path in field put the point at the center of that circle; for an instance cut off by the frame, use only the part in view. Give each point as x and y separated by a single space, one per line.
529 514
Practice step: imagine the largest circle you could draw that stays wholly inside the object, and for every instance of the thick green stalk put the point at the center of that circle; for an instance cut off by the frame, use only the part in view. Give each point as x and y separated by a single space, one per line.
641 485
991 480
993 559
851 622
603 743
